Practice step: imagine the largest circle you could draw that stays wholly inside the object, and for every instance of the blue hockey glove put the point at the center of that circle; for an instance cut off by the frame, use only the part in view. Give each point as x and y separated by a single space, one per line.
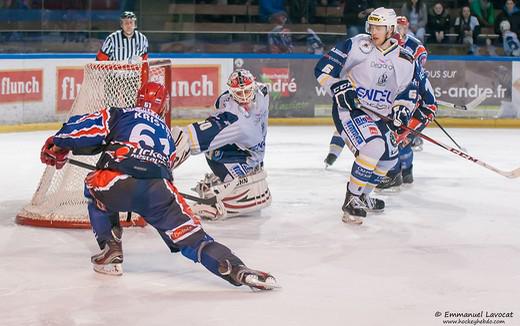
400 117
344 95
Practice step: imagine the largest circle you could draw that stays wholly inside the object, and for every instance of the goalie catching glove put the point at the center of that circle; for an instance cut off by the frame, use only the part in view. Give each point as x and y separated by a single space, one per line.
344 95
53 155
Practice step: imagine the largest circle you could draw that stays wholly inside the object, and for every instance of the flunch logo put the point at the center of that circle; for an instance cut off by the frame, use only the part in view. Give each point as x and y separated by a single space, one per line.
278 80
21 85
195 85
68 83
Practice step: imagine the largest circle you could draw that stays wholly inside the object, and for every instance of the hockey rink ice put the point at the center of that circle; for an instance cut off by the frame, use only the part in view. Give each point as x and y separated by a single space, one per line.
449 243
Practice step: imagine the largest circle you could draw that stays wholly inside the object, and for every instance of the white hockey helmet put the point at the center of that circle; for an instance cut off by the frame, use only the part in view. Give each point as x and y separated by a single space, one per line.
505 26
382 17
242 86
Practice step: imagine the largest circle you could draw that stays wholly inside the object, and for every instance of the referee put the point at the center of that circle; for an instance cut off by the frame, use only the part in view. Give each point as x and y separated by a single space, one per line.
126 43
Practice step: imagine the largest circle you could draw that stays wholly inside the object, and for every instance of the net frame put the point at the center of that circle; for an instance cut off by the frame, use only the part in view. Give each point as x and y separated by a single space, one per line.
58 201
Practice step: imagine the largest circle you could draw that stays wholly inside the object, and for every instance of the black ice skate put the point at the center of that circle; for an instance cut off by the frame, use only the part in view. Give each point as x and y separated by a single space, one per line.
353 209
242 275
374 205
407 175
330 159
391 182
110 259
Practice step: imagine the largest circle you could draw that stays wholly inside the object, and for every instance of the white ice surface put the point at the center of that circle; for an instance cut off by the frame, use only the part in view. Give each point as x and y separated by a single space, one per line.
451 242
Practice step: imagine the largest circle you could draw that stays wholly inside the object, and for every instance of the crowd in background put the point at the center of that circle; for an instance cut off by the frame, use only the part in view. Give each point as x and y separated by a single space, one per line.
484 24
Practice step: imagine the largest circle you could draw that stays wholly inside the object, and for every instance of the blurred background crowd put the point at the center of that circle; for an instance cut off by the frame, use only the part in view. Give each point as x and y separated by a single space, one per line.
483 27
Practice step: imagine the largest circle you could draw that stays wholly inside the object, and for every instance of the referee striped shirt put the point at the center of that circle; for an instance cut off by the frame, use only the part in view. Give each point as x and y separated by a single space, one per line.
118 47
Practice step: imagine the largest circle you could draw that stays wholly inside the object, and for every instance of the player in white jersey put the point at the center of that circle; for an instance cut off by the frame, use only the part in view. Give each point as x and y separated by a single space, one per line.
233 141
363 74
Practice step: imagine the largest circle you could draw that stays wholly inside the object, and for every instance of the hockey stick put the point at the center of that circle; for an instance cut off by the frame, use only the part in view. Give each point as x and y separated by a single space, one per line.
208 201
470 106
509 174
446 133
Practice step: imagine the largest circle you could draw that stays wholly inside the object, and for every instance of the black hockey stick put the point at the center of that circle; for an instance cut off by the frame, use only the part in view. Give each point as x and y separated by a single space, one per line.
509 174
446 133
208 201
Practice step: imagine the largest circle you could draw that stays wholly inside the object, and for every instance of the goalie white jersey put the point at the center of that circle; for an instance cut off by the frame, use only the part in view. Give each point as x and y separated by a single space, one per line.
380 77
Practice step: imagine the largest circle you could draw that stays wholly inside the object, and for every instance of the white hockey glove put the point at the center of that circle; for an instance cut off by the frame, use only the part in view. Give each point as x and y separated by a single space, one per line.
344 95
182 146
400 117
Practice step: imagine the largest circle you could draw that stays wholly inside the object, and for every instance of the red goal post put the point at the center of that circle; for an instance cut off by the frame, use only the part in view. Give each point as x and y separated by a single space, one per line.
58 201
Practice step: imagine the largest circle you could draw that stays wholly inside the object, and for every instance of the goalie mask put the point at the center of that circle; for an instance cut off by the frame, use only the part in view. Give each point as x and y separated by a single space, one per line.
153 96
242 86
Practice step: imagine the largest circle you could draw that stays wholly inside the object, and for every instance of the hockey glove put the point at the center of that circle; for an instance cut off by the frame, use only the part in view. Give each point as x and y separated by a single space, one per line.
425 114
182 146
53 155
344 95
400 117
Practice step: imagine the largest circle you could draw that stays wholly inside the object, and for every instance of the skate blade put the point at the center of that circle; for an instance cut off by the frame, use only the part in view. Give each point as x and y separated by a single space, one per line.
351 220
255 284
390 190
109 269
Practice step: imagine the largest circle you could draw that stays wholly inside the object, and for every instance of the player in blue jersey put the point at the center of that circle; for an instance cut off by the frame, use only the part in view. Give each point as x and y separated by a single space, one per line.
233 142
365 74
133 174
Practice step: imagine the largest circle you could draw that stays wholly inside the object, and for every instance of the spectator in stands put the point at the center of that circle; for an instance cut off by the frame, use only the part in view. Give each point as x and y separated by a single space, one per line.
302 11
355 13
417 14
314 43
439 23
269 7
511 13
468 29
484 11
280 37
510 40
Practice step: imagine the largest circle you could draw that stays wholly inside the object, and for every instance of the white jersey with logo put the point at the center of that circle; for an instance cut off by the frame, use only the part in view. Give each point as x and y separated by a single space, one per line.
234 134
381 77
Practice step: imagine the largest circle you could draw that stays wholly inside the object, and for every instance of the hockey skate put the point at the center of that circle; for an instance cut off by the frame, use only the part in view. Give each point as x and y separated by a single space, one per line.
374 205
242 275
391 183
407 175
110 259
330 159
353 209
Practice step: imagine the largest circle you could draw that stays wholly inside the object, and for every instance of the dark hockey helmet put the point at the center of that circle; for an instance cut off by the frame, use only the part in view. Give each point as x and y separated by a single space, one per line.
128 15
153 96
242 86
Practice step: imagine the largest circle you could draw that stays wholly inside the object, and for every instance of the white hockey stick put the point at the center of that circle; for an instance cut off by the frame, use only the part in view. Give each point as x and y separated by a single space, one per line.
470 106
508 174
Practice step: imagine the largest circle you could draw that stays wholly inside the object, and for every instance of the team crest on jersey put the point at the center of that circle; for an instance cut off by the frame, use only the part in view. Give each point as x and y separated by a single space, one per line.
381 81
365 46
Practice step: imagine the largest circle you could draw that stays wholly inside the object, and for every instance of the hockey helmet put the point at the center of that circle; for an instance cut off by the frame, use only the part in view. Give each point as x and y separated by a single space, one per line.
505 25
381 17
242 86
128 15
153 96
402 20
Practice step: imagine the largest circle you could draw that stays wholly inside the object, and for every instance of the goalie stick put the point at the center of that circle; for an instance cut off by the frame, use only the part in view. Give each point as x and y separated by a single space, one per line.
509 174
470 106
208 201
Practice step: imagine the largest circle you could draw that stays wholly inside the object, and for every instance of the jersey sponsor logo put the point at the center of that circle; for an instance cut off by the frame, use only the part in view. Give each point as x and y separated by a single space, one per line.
353 133
329 58
381 81
381 65
21 85
68 84
340 53
195 86
365 46
278 81
362 120
373 130
374 95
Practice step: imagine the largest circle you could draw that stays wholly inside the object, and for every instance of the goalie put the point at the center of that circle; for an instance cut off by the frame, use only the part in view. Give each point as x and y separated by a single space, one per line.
233 141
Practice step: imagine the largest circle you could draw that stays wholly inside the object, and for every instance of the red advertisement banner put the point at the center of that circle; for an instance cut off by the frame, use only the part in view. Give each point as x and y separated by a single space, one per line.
68 84
21 85
195 85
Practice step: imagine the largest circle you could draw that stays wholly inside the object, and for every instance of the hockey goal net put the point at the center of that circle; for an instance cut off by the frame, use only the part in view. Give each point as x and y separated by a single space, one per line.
59 201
